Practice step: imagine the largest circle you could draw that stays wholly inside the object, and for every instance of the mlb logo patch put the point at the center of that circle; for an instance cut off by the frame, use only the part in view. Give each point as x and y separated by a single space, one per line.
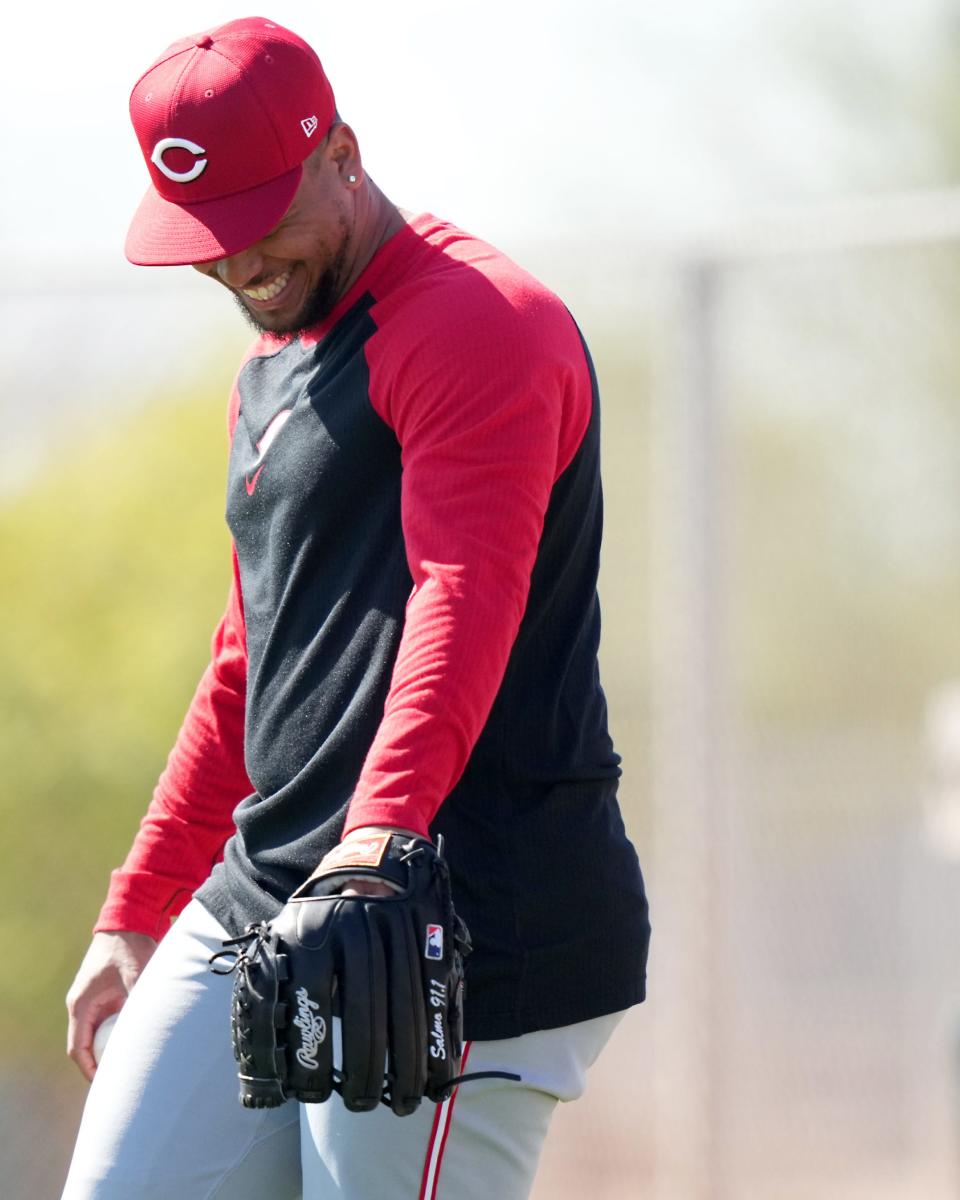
433 947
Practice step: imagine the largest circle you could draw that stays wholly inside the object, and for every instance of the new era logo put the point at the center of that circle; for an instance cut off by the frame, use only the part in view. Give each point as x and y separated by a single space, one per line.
309 125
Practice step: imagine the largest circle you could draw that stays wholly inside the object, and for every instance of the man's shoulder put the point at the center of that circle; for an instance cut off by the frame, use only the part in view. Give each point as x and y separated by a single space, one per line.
457 284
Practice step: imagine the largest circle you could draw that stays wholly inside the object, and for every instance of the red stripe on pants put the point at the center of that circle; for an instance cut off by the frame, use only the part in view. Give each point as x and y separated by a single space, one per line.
438 1139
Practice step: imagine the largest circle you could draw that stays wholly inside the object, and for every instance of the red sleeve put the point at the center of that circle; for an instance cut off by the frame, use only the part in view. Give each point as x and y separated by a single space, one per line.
489 399
190 816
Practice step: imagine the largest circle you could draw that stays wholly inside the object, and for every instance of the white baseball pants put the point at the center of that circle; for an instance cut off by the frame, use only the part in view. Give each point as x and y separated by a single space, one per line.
163 1121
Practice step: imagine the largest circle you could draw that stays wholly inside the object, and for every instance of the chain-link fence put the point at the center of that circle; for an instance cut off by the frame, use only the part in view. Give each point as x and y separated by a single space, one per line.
798 812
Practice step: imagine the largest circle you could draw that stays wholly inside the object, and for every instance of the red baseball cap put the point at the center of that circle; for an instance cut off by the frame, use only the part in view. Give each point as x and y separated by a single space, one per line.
225 119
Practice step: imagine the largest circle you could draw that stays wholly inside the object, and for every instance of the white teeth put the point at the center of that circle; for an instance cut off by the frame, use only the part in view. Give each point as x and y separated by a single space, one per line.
268 291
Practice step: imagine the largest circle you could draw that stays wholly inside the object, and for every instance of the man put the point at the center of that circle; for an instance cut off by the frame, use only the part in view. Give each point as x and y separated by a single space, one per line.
409 645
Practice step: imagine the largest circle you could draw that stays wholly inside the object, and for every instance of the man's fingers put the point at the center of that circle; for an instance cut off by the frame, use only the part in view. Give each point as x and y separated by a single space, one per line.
109 970
367 887
80 1031
85 1018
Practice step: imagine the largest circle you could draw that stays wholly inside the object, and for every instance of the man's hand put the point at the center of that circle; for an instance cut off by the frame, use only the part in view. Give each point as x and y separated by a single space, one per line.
357 886
109 970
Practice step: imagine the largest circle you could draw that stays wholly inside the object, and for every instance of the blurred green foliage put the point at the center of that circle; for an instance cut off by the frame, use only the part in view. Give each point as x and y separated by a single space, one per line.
829 625
115 567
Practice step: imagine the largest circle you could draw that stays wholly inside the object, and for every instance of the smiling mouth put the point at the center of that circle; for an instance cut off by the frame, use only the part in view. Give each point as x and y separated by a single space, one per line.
268 291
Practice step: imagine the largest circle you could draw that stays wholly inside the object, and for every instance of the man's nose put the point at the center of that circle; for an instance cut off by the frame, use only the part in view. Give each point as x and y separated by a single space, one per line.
241 269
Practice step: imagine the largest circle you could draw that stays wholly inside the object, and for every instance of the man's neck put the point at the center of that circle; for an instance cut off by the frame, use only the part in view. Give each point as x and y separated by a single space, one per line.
377 220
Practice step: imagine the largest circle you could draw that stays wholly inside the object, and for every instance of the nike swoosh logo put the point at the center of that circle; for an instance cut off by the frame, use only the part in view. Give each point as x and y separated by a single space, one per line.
269 437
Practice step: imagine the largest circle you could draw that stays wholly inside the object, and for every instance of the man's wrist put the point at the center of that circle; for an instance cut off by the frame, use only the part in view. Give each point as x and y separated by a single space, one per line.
363 885
365 831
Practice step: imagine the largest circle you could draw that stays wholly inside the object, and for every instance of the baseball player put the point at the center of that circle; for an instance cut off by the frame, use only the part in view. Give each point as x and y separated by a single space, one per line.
395 772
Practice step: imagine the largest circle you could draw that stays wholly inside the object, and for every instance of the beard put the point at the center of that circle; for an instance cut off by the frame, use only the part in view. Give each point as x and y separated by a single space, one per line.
319 303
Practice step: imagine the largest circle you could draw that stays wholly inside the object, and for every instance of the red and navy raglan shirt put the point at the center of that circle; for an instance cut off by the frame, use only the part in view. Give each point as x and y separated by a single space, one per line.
411 635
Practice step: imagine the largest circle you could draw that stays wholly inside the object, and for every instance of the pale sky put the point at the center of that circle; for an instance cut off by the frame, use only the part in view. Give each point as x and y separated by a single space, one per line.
573 135
514 119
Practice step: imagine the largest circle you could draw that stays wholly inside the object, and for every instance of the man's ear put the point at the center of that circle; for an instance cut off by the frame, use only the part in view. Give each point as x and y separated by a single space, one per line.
343 150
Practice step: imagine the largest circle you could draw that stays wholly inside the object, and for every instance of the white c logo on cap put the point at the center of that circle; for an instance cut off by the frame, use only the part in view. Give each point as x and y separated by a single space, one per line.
166 144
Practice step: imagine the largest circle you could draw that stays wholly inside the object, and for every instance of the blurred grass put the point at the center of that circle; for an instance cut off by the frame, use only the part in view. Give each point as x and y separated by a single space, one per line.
115 568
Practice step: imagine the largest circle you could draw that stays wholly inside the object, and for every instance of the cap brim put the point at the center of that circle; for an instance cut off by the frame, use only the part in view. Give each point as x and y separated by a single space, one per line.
163 234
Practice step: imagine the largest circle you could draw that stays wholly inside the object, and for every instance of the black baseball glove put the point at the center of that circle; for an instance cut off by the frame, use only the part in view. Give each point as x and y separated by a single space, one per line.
391 967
